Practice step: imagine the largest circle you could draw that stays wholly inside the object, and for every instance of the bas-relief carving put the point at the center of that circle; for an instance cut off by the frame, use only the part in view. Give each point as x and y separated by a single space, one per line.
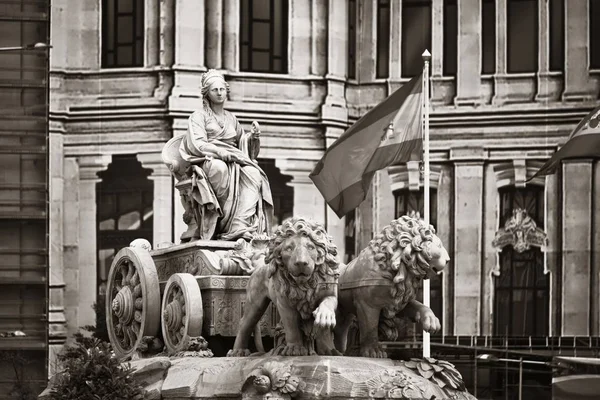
520 232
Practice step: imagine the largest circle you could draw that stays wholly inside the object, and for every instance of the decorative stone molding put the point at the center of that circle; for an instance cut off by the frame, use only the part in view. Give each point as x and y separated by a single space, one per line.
89 166
408 176
517 172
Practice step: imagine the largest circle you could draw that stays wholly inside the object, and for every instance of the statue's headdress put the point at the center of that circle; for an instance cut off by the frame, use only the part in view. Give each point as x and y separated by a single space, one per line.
209 77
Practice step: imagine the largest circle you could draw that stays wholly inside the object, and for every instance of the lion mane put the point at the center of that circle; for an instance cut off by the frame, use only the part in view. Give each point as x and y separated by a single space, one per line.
302 295
400 249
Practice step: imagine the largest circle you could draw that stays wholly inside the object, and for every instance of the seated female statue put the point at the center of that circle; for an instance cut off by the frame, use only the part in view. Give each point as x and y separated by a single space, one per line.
230 190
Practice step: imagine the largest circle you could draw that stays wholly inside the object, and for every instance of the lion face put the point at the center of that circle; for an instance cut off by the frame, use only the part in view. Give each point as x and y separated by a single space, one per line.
438 255
300 255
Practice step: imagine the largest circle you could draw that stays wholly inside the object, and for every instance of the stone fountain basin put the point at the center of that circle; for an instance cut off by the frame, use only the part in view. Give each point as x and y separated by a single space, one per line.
315 377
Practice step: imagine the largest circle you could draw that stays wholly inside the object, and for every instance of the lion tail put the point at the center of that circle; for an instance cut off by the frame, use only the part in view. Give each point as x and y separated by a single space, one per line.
258 339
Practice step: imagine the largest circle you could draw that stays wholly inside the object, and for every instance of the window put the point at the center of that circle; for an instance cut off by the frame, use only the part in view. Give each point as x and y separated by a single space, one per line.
450 37
124 212
122 33
406 202
521 299
594 34
352 38
416 35
557 35
488 42
522 36
264 36
383 38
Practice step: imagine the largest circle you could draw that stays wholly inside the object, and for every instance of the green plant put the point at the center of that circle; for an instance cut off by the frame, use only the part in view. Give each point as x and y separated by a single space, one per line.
90 370
21 389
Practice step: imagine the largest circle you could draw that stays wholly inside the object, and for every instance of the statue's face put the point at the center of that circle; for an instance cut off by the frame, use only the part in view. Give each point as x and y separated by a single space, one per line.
217 93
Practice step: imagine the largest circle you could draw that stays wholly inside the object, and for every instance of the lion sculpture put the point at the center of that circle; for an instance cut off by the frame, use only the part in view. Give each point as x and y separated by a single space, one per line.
299 276
382 282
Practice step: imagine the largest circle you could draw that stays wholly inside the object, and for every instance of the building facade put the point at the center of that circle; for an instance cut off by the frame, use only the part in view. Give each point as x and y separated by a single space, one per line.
509 80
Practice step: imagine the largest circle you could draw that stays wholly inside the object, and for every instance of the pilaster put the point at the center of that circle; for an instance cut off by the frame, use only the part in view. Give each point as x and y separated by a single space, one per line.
300 37
500 75
319 17
444 232
552 224
396 40
231 35
490 261
383 201
189 33
152 35
437 38
468 78
468 209
70 238
576 247
337 59
57 330
543 82
214 33
595 281
577 77
162 205
367 40
89 166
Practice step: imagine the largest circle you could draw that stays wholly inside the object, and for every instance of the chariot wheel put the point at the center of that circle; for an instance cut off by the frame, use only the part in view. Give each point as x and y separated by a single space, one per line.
132 300
181 312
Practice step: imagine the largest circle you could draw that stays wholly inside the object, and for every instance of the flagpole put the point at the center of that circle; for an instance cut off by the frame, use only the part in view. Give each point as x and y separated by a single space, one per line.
426 210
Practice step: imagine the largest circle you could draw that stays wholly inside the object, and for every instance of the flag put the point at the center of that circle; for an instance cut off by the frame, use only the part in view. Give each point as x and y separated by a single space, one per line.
388 134
583 142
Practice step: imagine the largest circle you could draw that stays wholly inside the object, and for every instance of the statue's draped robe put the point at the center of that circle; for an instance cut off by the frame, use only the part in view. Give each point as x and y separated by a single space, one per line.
235 195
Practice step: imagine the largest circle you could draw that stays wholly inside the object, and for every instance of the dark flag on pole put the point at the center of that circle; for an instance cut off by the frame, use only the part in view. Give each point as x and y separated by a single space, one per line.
584 142
388 134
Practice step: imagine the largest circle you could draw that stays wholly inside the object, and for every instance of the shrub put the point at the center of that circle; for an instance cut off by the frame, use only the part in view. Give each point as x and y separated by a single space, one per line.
90 370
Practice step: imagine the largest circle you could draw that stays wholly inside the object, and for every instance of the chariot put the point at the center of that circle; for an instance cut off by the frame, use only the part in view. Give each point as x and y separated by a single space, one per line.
177 293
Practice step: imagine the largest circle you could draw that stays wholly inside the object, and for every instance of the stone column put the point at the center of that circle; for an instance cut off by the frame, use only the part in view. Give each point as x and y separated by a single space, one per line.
319 43
396 40
333 110
231 35
577 77
82 20
595 284
151 28
576 247
468 172
57 330
468 74
300 37
162 205
70 253
189 33
214 33
367 40
89 166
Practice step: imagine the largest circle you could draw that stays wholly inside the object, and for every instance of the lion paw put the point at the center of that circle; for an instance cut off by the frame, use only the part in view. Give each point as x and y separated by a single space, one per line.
373 352
294 350
238 353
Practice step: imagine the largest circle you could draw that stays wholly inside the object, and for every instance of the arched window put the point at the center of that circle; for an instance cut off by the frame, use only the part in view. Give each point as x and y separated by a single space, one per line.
412 200
124 211
521 291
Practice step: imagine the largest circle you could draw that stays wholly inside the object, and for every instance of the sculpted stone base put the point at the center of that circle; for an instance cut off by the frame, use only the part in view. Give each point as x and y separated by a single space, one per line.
310 377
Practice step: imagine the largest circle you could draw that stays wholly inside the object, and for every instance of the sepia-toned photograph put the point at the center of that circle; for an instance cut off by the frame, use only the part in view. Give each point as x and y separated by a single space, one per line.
299 199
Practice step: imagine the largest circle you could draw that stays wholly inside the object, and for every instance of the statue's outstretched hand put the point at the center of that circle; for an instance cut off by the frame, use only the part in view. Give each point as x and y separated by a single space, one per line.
255 132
